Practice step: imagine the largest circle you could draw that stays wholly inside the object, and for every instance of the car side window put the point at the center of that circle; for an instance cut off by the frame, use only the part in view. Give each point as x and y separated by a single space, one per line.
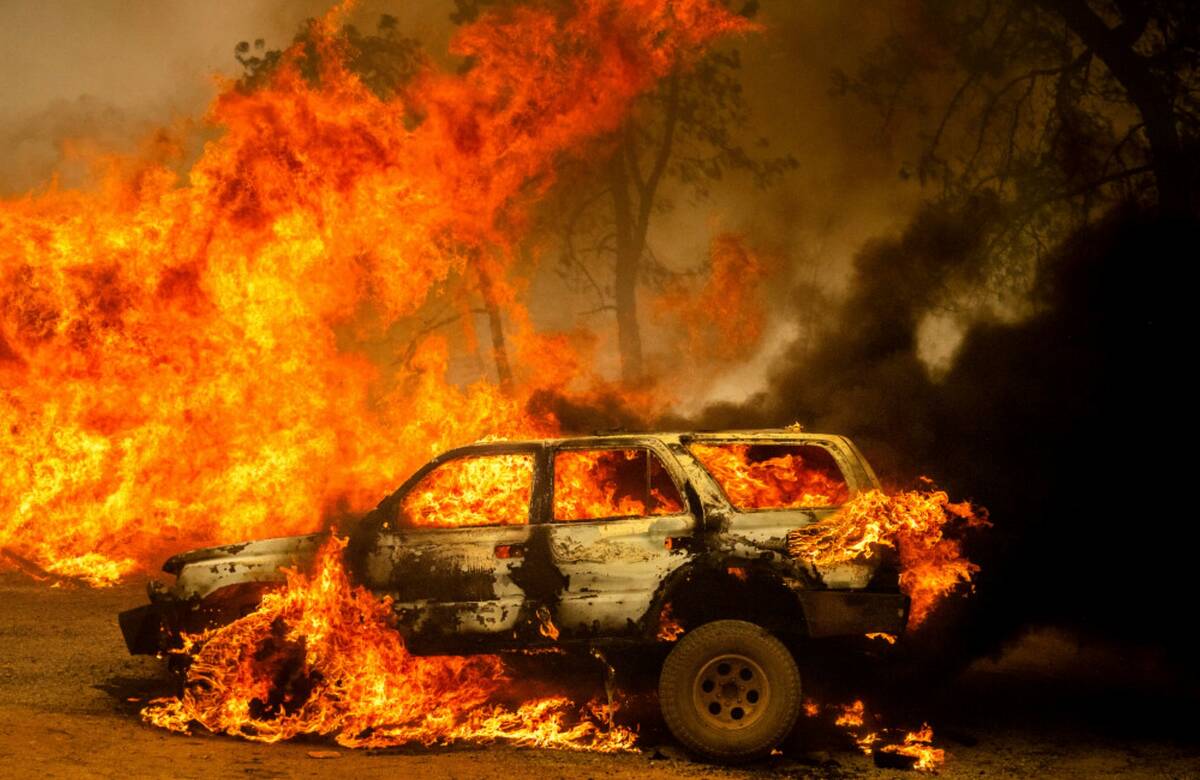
774 476
612 483
471 491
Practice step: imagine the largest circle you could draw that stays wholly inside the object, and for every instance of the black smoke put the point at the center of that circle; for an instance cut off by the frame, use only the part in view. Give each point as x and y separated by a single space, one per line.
1072 426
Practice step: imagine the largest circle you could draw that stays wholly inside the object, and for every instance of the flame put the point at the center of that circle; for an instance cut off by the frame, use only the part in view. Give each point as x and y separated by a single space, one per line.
591 484
913 523
918 744
320 657
853 719
851 714
492 490
546 625
187 359
669 627
722 319
781 482
886 637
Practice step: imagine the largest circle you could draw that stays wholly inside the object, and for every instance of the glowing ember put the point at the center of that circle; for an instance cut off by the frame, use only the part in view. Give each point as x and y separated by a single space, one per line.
889 638
183 359
911 522
669 628
784 481
320 657
546 625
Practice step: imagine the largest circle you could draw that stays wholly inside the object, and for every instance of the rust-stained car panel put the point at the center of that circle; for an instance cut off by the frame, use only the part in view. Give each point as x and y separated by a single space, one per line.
497 587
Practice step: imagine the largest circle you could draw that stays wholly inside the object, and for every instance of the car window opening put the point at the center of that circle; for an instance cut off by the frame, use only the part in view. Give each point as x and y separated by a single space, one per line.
612 483
774 476
472 491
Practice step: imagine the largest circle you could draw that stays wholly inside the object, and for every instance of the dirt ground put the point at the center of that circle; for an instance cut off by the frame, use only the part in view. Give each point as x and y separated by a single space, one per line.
69 701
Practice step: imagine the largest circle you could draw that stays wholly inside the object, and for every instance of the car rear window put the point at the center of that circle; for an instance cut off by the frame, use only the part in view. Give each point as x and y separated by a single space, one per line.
774 476
472 491
612 483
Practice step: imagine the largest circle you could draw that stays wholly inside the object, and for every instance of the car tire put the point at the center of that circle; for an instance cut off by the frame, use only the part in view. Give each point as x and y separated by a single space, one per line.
730 691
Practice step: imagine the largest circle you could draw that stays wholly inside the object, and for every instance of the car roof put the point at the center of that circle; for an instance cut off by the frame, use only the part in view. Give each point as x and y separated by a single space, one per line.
618 437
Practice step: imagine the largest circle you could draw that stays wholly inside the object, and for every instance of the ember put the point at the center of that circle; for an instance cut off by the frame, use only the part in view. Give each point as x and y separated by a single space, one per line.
669 628
320 657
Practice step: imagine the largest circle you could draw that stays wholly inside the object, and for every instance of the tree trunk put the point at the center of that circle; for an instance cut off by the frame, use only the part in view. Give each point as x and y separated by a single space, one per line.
1114 46
633 203
628 263
496 325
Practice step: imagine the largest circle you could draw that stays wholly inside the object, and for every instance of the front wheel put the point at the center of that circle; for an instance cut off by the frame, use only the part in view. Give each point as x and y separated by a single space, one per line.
730 691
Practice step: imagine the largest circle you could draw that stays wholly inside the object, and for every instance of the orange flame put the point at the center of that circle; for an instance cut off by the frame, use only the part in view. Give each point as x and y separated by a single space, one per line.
918 745
591 484
913 523
781 482
853 718
188 360
851 714
722 318
669 627
320 657
473 491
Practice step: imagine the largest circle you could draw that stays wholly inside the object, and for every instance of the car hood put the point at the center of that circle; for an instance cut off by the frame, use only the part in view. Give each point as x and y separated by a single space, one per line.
282 547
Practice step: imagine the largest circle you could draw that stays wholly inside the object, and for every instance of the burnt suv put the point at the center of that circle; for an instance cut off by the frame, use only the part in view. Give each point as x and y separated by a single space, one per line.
669 542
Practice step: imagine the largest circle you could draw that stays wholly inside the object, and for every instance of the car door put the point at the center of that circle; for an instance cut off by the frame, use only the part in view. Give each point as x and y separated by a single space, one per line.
775 485
459 530
619 517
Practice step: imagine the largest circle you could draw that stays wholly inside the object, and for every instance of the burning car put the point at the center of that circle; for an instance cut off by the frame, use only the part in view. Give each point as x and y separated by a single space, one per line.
672 543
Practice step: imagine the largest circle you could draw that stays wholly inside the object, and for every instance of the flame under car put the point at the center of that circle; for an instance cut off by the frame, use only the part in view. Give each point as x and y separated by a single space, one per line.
674 541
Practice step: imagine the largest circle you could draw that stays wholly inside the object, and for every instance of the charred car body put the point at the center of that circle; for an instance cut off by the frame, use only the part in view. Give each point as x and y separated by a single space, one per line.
641 540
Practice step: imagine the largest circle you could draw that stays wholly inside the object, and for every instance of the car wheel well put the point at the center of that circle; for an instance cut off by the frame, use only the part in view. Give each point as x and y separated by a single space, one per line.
733 590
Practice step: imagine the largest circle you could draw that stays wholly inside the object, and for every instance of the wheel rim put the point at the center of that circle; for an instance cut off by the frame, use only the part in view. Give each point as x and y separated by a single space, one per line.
731 692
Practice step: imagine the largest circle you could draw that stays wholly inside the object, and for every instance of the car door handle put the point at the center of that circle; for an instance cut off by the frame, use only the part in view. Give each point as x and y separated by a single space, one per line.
510 551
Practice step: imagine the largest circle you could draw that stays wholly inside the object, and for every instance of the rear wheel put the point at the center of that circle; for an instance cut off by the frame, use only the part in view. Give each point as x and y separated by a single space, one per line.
730 691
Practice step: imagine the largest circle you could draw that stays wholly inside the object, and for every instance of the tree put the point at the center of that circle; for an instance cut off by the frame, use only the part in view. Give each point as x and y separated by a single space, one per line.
386 62
687 131
1049 110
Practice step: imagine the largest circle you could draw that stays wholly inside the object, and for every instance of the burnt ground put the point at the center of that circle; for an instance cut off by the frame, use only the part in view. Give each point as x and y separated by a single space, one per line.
69 700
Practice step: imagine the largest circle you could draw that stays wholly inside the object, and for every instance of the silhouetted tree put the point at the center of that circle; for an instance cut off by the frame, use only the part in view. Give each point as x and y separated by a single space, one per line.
1049 111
